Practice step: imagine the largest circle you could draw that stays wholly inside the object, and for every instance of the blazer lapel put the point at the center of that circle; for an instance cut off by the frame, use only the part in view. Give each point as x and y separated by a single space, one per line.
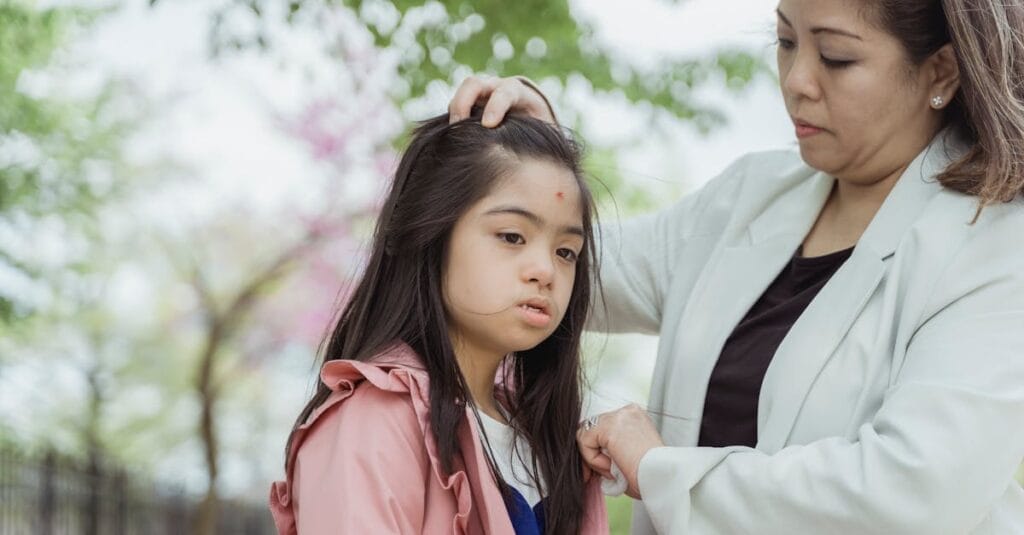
813 339
809 344
731 283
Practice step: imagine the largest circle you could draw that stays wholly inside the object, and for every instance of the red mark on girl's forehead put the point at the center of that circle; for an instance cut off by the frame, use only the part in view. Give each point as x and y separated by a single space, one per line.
560 195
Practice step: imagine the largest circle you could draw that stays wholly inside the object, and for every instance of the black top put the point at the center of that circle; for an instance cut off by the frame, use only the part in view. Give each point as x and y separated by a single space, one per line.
730 407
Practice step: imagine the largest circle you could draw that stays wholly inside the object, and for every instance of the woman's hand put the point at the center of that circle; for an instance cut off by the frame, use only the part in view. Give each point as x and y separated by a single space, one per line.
499 96
623 436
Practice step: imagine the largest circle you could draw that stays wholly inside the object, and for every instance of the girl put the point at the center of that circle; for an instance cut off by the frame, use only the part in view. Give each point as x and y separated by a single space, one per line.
481 268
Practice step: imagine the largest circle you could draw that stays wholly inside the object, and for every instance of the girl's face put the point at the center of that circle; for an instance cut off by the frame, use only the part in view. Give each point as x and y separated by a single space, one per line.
511 260
860 109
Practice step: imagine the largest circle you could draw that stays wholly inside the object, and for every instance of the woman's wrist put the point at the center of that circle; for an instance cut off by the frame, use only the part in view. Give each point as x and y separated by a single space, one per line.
530 83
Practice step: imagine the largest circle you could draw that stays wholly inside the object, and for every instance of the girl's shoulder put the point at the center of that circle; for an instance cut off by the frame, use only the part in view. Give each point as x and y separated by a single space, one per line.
388 393
397 369
371 428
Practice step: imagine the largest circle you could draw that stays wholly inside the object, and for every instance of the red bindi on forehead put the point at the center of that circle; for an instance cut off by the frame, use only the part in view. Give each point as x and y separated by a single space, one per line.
559 195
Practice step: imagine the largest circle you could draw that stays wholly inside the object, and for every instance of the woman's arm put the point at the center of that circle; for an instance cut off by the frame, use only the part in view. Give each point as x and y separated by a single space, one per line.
639 257
364 469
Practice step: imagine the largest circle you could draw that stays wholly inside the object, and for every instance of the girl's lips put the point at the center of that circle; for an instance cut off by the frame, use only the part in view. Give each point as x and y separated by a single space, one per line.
534 317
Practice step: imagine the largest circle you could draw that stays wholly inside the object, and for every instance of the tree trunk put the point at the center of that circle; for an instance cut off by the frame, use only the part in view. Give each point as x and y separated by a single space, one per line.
206 523
220 326
94 449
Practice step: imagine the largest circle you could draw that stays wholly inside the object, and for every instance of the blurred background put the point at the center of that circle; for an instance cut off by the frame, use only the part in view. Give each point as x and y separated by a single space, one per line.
187 188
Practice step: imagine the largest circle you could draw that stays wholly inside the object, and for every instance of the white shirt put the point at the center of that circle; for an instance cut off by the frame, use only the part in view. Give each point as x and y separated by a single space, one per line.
509 461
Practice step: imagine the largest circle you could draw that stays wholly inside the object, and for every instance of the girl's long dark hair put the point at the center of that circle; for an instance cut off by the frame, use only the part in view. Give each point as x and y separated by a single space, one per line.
444 171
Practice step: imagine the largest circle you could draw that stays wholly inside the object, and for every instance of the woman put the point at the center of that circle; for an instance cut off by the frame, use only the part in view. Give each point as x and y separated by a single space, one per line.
872 381
480 268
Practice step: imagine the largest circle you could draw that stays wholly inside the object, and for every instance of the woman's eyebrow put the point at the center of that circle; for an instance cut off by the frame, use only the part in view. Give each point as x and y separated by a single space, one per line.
820 29
533 218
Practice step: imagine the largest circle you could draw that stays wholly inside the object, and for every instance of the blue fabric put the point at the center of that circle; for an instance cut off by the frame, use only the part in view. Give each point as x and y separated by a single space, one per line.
526 520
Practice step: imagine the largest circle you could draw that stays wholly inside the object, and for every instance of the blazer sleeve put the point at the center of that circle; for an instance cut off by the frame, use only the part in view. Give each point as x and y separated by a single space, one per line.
939 453
637 257
364 469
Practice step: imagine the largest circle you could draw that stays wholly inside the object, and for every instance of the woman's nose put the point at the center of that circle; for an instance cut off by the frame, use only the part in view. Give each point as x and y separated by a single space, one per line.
800 79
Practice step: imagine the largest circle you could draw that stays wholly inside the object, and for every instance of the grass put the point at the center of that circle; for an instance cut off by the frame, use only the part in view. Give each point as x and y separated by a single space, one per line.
620 513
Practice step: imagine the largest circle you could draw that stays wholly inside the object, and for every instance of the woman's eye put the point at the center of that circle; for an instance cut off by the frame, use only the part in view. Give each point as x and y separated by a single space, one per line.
568 254
835 63
785 44
511 238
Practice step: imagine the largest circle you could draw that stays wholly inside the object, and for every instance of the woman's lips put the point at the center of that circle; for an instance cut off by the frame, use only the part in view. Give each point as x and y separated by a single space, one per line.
804 130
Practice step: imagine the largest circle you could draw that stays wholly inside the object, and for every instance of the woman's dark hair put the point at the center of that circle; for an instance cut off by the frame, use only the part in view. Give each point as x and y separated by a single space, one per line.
444 171
988 110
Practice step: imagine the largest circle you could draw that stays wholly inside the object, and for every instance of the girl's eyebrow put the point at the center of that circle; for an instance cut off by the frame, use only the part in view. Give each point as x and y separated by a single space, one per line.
533 218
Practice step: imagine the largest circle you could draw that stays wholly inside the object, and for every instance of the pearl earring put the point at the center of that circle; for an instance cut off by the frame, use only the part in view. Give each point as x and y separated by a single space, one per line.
937 102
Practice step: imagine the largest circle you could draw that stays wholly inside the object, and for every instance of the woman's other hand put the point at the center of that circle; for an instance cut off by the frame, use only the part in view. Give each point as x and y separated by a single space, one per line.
499 96
622 436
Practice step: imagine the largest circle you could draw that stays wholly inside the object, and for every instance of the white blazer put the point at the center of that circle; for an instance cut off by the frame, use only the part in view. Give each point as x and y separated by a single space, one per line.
895 404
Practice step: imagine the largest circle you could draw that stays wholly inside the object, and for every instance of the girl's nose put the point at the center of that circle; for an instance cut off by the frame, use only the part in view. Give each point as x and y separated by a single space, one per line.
540 268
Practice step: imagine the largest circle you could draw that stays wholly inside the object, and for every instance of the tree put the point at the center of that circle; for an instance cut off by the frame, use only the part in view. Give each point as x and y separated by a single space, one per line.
246 311
59 152
443 40
61 162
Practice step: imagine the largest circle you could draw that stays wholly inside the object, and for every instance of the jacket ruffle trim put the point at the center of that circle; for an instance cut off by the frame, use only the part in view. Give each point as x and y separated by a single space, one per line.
394 370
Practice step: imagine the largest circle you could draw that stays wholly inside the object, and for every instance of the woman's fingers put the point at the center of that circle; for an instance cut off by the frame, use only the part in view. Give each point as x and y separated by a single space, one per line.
625 436
504 96
593 452
473 90
600 463
499 97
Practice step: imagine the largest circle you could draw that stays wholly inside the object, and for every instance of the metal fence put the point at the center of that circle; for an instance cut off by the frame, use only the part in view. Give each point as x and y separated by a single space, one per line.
53 495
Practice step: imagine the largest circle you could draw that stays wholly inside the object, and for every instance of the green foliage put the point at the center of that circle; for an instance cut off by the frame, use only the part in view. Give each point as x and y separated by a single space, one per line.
437 40
57 152
442 40
615 195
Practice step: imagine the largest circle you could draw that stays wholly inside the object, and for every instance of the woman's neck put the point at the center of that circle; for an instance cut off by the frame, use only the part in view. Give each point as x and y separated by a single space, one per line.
479 367
846 214
857 204
855 200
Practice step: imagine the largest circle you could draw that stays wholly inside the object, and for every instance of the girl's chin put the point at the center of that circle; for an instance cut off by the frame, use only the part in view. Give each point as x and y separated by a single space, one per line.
522 343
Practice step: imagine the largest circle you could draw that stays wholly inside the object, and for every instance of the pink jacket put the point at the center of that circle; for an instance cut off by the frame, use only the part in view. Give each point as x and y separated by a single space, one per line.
366 462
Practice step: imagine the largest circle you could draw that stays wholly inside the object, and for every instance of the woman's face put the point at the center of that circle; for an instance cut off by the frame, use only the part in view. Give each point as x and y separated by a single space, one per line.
860 108
511 260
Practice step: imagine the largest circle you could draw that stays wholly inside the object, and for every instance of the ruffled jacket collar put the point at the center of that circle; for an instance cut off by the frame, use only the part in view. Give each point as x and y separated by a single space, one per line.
479 501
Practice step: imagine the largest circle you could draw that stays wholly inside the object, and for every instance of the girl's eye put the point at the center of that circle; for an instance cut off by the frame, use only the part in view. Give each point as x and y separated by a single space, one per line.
511 238
835 63
568 254
785 44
